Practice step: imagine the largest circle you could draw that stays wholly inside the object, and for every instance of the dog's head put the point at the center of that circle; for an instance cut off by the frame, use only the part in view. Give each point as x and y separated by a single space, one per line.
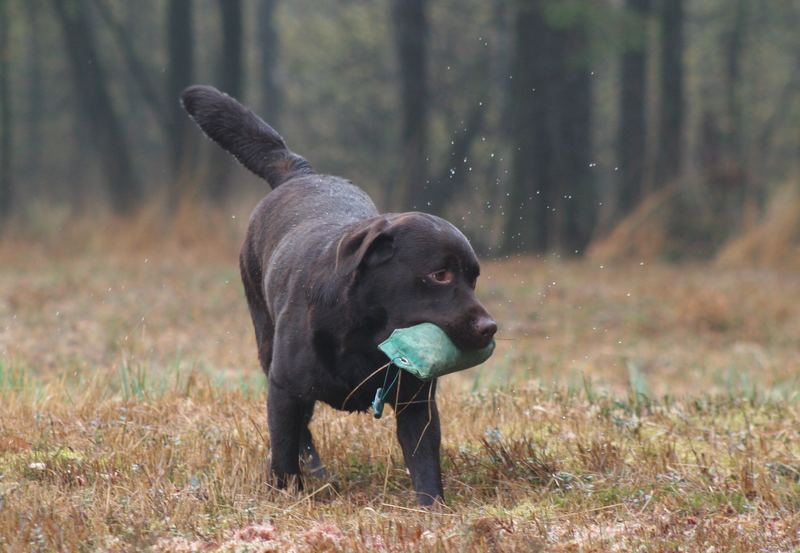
413 268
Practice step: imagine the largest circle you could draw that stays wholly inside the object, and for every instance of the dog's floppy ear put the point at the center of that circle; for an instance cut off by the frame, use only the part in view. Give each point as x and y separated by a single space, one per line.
366 245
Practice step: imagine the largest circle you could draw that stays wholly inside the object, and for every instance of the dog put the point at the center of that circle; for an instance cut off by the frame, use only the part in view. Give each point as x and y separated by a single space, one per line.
327 278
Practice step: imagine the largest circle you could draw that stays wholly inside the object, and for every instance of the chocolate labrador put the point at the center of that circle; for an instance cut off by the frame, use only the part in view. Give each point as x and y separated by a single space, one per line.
327 278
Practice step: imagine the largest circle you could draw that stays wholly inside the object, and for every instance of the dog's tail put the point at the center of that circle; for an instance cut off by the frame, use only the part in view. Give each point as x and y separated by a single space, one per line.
241 132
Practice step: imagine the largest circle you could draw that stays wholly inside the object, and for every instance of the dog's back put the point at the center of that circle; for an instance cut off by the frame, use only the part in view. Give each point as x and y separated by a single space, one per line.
293 222
300 197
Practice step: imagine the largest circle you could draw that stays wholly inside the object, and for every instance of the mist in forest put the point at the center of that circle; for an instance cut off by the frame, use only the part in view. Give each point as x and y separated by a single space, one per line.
616 127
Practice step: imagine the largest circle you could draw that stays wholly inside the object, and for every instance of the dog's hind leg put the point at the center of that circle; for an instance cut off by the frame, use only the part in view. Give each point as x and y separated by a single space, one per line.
262 322
308 453
285 420
264 330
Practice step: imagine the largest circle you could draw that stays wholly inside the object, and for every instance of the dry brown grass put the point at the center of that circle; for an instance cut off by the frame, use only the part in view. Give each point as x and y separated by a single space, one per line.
686 220
643 234
773 242
628 407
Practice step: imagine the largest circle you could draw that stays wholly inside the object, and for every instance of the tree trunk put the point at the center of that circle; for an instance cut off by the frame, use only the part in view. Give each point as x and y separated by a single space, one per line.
553 198
632 130
180 73
230 80
740 195
90 85
449 181
141 76
454 173
733 46
576 197
35 97
6 186
272 103
529 210
231 77
411 39
671 108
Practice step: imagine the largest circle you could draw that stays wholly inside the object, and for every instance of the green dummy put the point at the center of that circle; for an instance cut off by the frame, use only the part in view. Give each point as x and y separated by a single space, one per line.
427 352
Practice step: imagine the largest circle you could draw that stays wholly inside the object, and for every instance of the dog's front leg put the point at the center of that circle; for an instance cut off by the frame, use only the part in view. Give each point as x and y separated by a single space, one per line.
420 436
285 416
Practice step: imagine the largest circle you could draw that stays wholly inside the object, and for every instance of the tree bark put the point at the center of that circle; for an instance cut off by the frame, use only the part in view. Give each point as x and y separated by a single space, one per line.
411 40
272 103
230 79
632 130
449 181
553 198
231 76
180 74
141 75
35 90
733 45
529 210
6 184
576 197
671 103
108 136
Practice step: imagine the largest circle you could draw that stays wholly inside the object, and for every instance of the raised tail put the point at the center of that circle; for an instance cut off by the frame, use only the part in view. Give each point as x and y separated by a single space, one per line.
241 132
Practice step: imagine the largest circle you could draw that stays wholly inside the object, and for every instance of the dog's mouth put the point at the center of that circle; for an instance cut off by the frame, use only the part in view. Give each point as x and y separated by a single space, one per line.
463 339
473 333
473 343
483 342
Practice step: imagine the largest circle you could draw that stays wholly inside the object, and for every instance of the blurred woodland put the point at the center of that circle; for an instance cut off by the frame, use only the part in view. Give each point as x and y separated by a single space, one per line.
652 128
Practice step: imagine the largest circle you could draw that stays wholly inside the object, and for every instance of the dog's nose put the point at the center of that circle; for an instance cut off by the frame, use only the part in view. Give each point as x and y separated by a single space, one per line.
486 326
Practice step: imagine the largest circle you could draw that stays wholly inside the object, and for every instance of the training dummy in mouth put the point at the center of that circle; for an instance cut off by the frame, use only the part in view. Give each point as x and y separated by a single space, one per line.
425 351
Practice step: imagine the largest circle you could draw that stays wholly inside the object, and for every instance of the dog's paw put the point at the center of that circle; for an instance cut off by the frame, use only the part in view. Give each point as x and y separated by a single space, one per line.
313 468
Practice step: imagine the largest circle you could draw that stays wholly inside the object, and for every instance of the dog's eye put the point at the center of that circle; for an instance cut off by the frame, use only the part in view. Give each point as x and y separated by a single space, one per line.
442 277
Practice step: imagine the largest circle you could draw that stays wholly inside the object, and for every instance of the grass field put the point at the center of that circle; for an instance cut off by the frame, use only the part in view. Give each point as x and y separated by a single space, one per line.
633 407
